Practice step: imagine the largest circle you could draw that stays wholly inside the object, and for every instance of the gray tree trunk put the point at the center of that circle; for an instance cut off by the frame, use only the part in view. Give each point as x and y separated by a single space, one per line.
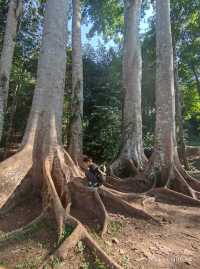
49 91
43 132
76 132
14 13
132 151
165 148
164 167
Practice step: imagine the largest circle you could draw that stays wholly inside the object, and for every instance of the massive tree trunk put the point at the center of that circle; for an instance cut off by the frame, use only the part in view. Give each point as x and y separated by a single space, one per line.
75 132
165 163
43 164
131 156
14 13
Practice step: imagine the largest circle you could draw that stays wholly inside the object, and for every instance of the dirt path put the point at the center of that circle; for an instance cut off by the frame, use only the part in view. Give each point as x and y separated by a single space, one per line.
131 242
176 244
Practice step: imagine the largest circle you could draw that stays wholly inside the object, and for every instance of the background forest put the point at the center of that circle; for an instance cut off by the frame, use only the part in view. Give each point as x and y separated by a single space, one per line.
103 73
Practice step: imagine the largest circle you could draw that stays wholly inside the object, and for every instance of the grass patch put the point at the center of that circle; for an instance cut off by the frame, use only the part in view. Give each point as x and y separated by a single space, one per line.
29 264
53 263
90 259
114 227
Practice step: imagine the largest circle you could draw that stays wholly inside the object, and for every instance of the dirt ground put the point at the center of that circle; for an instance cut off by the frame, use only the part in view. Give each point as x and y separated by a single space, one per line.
133 243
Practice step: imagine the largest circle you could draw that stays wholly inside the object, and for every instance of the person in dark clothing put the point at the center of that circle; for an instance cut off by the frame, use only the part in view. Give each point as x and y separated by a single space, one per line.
93 173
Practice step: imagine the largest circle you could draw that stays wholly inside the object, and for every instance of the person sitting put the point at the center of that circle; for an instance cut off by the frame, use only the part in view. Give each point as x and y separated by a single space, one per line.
94 175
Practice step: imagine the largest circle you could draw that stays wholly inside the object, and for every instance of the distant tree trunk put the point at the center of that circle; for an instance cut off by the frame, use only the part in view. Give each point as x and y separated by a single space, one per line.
165 163
196 77
11 118
76 132
14 13
131 156
180 133
179 116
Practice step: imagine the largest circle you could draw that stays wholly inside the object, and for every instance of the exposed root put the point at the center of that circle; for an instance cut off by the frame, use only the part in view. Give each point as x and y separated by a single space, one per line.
100 253
138 184
89 201
23 230
125 207
13 171
65 190
194 183
124 167
180 181
80 234
102 213
70 242
130 197
18 196
171 196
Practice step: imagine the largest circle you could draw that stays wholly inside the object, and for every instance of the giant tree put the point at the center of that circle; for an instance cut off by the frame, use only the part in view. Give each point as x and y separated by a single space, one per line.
43 164
131 153
12 23
165 163
75 135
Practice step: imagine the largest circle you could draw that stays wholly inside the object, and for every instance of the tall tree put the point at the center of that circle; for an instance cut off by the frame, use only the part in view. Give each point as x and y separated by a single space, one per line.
76 132
43 132
14 13
165 161
131 153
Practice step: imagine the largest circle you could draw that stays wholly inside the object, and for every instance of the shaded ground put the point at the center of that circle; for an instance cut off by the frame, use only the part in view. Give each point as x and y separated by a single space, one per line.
132 243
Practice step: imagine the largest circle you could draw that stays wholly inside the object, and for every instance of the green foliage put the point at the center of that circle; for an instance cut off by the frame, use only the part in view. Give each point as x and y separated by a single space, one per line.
106 16
67 231
148 140
185 26
148 82
102 85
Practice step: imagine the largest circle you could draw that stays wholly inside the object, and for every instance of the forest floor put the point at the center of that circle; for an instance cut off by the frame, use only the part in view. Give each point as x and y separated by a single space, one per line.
131 242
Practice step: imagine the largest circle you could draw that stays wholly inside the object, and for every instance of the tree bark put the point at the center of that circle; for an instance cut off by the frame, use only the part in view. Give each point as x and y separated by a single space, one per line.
131 151
165 166
76 132
43 131
14 13
165 141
